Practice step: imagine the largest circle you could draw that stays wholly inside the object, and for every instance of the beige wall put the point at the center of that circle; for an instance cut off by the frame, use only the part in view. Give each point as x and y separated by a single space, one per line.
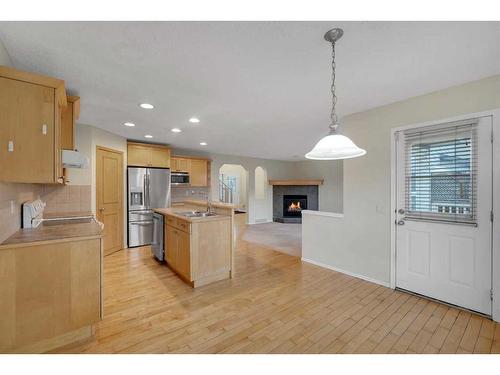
87 139
360 241
331 192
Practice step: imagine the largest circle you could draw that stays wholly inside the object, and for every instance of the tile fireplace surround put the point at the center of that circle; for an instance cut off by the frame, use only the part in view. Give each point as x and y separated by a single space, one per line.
279 191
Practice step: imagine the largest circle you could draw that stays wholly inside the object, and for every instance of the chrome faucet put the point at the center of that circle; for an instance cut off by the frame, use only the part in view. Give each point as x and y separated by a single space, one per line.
209 204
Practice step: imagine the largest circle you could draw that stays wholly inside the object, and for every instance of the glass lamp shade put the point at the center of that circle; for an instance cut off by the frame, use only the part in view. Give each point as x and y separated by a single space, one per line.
334 147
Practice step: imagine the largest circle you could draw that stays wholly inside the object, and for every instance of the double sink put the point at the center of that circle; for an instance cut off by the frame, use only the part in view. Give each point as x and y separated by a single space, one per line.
196 214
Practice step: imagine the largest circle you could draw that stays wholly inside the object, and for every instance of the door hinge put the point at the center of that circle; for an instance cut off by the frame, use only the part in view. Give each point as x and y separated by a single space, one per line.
491 294
491 215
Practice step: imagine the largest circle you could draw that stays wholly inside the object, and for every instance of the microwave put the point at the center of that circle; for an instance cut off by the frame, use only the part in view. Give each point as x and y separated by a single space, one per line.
179 178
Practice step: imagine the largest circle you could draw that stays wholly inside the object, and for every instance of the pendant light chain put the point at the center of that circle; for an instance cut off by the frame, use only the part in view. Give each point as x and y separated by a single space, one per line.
334 146
333 114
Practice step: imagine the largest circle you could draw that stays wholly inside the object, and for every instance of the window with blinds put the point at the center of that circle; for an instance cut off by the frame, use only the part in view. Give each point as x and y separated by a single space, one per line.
441 172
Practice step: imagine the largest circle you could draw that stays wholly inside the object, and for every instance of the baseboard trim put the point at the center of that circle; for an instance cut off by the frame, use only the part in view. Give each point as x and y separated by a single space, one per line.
363 277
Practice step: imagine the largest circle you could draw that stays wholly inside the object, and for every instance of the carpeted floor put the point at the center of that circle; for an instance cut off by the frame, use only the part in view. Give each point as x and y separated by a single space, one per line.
286 238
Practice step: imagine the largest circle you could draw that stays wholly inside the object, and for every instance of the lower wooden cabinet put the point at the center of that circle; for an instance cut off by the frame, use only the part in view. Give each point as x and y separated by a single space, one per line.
49 292
178 252
199 251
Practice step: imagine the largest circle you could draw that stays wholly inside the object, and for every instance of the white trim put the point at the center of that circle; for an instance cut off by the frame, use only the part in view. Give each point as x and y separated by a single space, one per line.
366 278
322 213
495 115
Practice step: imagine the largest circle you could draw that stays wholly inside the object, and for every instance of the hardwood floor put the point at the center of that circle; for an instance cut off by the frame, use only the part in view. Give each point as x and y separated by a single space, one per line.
275 304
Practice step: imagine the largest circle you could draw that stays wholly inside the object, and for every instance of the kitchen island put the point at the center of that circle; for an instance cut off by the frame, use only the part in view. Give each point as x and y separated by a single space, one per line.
198 248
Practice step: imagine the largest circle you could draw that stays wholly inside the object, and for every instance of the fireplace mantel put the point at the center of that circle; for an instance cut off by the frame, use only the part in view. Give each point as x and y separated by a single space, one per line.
296 182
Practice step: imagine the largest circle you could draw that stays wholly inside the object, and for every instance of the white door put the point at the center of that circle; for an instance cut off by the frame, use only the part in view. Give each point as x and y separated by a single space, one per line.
443 219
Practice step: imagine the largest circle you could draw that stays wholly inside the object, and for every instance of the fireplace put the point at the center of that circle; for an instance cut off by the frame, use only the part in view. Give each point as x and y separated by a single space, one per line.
290 200
293 205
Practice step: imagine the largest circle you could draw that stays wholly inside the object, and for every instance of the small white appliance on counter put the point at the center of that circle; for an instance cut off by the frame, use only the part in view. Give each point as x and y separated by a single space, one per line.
33 213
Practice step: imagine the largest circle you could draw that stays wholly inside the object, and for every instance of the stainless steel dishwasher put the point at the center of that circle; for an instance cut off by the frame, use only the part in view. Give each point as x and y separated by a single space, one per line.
157 245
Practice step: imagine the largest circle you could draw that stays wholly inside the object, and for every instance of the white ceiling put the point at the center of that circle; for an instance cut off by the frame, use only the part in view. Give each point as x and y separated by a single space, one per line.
259 88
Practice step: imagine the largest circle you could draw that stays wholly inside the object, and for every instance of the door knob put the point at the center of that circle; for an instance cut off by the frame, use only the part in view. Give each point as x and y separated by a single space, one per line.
401 211
401 222
101 209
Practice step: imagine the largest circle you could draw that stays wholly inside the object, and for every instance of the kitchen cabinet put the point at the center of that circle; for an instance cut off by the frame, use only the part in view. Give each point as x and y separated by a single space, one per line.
30 127
178 254
51 293
181 164
199 251
148 155
198 169
198 175
69 115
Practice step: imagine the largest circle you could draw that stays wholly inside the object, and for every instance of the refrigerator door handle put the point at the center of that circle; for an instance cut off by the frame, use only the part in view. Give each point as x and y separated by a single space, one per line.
148 179
146 190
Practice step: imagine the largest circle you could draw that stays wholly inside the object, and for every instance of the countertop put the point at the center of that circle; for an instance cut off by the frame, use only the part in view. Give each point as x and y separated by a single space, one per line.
203 203
49 233
174 211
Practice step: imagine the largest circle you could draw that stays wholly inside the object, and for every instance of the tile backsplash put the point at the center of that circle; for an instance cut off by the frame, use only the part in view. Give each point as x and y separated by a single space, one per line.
12 196
60 199
182 193
66 198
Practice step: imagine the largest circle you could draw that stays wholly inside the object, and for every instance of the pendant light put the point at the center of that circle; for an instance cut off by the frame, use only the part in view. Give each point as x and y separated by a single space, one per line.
334 146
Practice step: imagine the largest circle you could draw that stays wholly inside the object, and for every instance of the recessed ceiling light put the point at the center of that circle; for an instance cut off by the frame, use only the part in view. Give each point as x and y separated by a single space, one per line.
176 130
148 136
129 124
194 120
146 106
203 143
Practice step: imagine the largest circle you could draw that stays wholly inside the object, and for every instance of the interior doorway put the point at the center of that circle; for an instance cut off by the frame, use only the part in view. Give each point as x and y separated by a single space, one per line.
109 197
233 186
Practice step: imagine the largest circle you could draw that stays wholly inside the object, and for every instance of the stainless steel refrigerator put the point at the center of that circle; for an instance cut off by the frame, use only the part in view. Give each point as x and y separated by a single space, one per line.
148 188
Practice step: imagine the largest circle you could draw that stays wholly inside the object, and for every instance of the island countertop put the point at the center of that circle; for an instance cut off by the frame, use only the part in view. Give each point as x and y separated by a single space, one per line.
203 203
174 211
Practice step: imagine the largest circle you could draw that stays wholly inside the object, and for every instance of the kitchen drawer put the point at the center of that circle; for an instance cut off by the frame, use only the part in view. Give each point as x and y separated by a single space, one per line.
183 225
180 224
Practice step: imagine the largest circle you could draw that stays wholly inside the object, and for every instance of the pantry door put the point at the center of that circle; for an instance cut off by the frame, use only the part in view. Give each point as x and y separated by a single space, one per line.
109 197
444 212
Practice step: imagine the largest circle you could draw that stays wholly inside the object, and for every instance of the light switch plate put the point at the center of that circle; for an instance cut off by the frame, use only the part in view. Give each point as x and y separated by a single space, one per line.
12 207
10 146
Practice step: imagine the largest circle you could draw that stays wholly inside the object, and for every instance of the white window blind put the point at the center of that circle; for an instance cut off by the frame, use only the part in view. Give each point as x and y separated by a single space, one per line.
441 172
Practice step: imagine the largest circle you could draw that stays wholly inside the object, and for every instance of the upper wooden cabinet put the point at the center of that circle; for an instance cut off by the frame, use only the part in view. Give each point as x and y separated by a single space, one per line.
69 115
147 155
30 127
198 169
181 164
198 175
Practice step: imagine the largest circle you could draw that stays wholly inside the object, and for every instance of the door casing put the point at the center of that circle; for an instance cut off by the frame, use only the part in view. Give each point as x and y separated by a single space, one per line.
495 118
121 183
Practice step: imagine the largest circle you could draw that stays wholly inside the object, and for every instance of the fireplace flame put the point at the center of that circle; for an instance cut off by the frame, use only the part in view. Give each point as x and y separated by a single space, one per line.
294 207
